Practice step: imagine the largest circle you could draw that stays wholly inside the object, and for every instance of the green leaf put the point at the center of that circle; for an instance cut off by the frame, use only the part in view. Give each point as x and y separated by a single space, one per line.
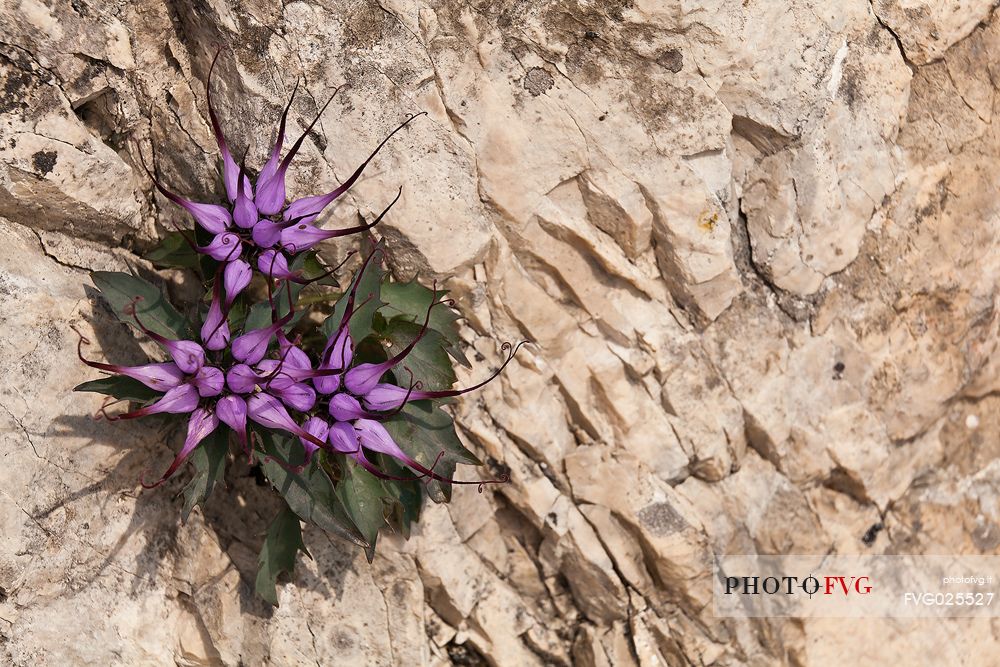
362 493
311 493
156 313
209 461
312 268
402 506
260 314
283 542
237 314
173 251
369 293
423 431
428 360
121 387
409 302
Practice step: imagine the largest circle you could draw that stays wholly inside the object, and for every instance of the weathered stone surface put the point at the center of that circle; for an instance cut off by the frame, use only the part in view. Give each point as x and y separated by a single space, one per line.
756 247
926 30
812 168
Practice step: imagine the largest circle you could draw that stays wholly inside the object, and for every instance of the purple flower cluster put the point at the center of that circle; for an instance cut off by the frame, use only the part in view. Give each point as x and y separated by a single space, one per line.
262 379
340 403
258 226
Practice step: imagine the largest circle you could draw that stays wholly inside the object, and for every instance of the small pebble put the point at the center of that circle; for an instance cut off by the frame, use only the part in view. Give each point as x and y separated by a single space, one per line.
972 422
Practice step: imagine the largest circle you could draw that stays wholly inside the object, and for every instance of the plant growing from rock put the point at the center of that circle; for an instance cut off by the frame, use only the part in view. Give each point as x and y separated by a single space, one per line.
343 417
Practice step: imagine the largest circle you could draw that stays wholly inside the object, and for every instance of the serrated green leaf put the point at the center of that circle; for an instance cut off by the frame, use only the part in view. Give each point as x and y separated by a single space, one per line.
409 302
209 461
428 360
369 294
156 313
121 387
311 493
173 251
424 431
283 542
362 493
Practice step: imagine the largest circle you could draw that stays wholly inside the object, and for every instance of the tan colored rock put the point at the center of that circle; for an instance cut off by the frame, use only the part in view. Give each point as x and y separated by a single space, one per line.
600 649
573 543
666 523
467 596
54 171
807 162
927 30
693 246
616 205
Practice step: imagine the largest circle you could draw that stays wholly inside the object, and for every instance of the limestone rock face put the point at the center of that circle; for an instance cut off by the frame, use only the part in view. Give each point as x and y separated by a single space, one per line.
926 30
756 246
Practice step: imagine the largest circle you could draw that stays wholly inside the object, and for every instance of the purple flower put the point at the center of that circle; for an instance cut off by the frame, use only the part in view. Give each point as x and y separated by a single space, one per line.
245 213
215 330
225 247
339 349
301 236
296 361
256 218
319 429
296 395
212 217
180 400
344 408
232 411
242 379
235 278
272 263
159 376
266 233
268 411
209 381
200 425
188 356
352 438
251 347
